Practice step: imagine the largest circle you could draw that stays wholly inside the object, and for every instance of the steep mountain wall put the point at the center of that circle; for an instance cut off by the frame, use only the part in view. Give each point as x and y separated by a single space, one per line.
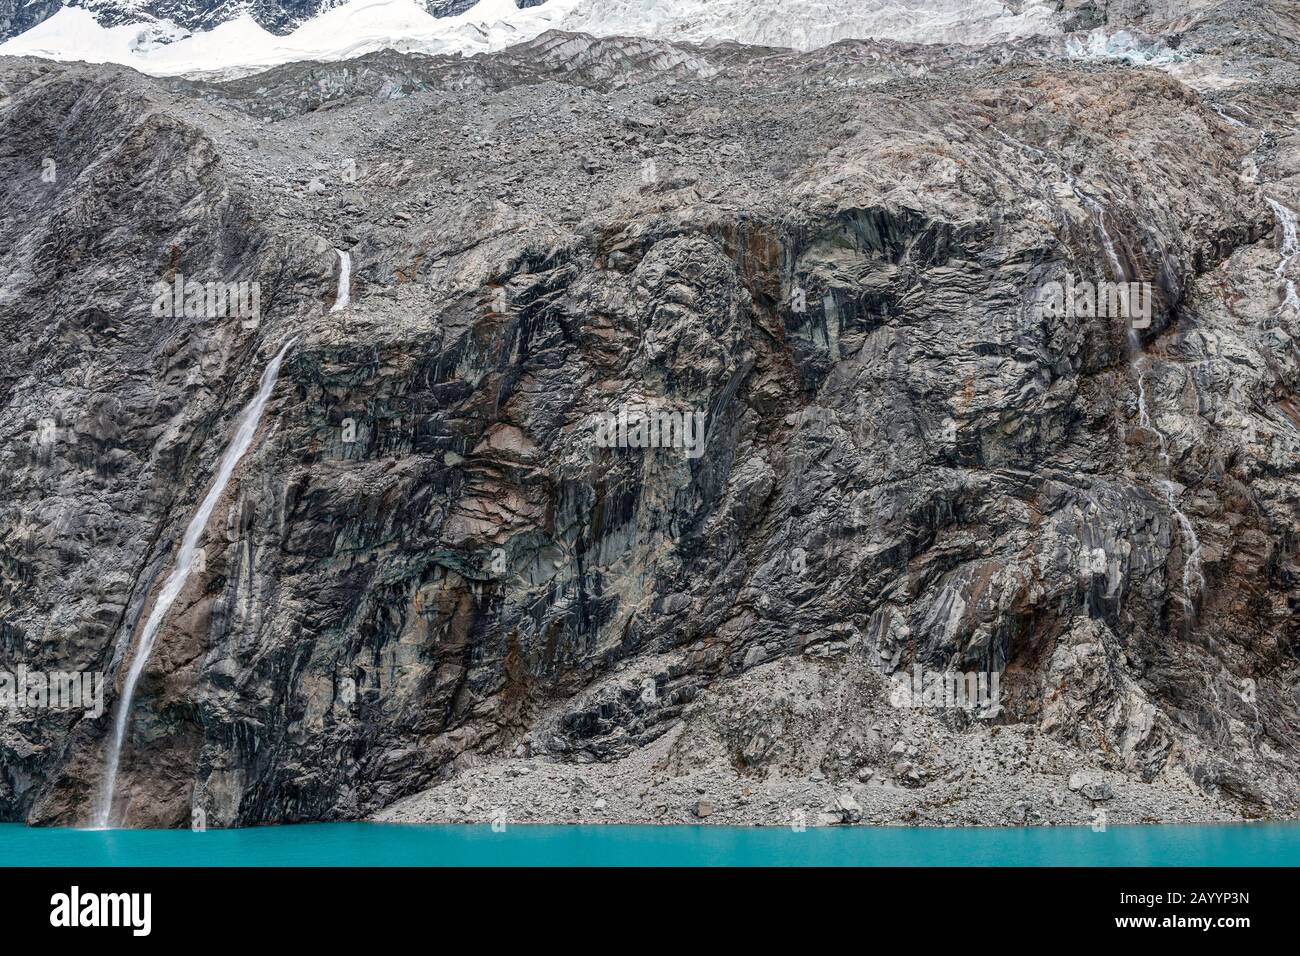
431 582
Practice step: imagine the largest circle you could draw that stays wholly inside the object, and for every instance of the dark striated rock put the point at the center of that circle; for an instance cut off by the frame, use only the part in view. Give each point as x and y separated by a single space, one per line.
429 570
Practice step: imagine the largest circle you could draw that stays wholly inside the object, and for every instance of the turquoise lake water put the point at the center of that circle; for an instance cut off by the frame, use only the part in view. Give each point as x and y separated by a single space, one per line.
374 844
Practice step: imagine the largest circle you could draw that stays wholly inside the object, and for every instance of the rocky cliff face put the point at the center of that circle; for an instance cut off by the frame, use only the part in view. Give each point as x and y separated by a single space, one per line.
432 587
18 17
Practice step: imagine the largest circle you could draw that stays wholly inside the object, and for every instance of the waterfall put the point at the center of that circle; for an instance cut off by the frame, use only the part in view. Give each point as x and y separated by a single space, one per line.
1099 216
180 573
345 280
1094 208
1193 579
1226 118
1286 218
1144 417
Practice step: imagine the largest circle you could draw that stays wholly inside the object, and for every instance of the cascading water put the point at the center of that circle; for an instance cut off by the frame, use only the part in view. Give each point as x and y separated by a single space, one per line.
1144 417
1193 579
345 279
1290 249
1193 583
1094 208
1137 359
1227 119
249 419
1099 216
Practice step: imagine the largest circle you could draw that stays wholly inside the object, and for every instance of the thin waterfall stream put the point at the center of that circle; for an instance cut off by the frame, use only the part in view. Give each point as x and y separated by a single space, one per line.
1286 218
249 420
344 295
1193 580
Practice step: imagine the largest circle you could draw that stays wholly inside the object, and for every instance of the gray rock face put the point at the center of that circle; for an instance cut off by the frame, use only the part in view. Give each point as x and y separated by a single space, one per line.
432 579
1091 786
19 16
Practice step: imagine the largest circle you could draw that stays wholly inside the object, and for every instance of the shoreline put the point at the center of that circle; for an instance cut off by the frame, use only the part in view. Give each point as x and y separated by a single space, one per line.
534 824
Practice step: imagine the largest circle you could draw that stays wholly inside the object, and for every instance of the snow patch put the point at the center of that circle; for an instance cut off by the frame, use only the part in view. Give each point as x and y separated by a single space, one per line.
364 26
807 24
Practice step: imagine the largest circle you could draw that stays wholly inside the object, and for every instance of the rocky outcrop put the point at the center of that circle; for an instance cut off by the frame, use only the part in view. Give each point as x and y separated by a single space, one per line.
432 585
18 17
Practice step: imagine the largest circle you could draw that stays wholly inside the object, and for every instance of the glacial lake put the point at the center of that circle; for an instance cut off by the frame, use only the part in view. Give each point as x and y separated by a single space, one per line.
375 844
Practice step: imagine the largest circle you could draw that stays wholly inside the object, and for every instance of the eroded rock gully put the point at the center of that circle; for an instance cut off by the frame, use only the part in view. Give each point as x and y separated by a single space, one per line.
428 589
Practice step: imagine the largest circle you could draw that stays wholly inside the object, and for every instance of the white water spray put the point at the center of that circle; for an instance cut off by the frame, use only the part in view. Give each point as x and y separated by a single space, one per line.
345 279
180 573
1286 218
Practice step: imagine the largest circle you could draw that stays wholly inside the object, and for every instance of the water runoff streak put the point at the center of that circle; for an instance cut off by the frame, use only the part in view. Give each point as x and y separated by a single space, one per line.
1290 249
180 573
345 279
1193 579
1098 213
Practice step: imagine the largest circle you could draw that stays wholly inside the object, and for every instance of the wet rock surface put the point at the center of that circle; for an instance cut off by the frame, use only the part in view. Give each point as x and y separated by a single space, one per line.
430 592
